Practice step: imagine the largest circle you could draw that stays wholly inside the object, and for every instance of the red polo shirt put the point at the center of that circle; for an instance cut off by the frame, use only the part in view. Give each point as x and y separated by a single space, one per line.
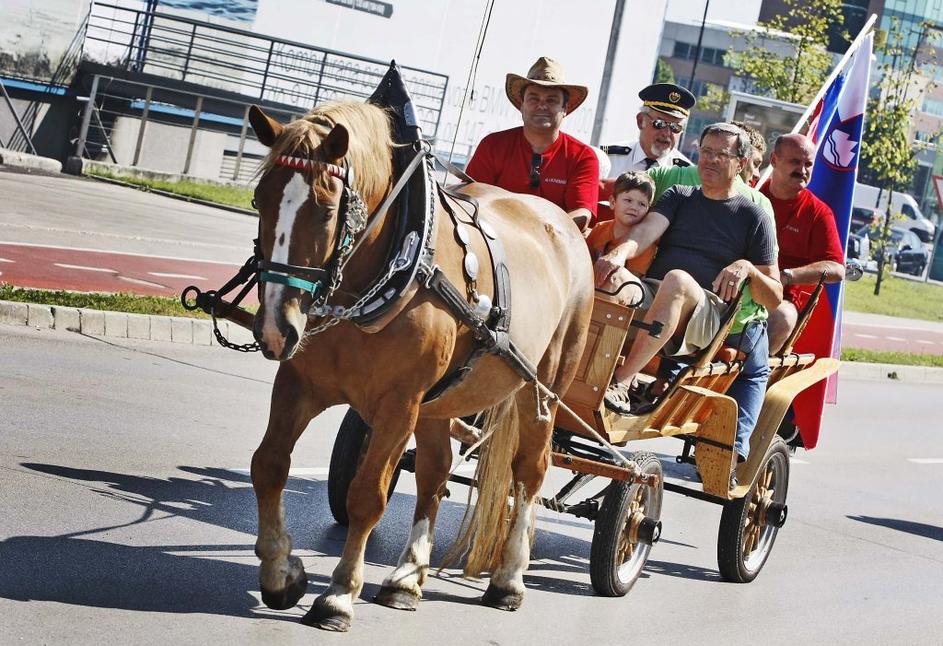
806 231
569 169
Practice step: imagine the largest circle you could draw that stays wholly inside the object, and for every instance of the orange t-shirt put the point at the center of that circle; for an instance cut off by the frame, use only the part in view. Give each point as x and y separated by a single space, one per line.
601 241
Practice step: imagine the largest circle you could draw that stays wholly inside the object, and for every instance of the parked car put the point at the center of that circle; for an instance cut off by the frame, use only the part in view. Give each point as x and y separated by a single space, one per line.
906 252
874 198
864 217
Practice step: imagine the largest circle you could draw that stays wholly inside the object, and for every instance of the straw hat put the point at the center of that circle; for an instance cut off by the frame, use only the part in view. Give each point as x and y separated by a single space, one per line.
546 72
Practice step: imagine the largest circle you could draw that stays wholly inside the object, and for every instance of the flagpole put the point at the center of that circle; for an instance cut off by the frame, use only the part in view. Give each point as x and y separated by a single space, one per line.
856 43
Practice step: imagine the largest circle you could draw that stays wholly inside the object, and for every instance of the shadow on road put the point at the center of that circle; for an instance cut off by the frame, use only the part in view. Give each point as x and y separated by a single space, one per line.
907 526
74 568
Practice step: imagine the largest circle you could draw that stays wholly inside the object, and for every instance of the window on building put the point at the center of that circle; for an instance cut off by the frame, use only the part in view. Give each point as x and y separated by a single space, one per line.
933 106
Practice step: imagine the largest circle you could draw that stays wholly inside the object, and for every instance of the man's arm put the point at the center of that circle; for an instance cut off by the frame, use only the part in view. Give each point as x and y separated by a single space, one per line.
481 166
811 273
826 254
764 283
582 217
642 236
582 189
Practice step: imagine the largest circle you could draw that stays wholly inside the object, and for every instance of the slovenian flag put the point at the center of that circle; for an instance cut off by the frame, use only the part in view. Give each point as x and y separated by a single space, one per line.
836 128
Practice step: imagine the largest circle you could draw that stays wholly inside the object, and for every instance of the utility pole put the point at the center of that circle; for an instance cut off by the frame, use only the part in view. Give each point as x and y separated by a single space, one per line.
700 37
607 71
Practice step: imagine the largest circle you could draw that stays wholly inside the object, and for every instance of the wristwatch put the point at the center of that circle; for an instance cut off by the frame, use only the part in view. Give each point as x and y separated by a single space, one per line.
787 277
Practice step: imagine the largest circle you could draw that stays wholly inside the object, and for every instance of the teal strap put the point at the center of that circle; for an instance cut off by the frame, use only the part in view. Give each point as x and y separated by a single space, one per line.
291 281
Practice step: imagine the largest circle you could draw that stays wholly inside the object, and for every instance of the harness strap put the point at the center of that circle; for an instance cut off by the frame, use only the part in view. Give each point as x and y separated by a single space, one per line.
434 279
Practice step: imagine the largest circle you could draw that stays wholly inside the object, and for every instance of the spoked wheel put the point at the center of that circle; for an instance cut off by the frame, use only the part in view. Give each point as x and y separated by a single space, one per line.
351 443
626 527
748 526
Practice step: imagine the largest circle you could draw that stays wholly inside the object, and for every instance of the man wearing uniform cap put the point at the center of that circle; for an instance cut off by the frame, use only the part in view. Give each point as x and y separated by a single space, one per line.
537 158
661 119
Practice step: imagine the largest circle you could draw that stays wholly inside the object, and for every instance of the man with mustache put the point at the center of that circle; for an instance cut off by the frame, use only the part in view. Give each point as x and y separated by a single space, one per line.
805 227
660 120
537 158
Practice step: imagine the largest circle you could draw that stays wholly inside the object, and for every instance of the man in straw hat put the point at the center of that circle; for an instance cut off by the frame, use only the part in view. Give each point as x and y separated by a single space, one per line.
537 158
660 120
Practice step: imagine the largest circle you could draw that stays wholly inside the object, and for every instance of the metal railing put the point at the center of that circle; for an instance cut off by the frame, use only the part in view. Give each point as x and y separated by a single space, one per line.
239 61
191 133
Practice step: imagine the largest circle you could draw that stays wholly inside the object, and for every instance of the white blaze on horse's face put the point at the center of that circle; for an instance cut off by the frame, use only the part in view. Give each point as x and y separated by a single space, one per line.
295 194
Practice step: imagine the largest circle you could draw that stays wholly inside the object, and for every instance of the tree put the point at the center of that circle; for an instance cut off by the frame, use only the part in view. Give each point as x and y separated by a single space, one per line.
663 72
888 156
802 29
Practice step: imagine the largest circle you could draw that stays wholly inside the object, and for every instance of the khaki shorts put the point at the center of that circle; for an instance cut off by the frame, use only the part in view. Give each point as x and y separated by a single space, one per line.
702 326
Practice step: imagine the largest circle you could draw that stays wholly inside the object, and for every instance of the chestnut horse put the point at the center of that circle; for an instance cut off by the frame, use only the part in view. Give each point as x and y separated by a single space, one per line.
386 370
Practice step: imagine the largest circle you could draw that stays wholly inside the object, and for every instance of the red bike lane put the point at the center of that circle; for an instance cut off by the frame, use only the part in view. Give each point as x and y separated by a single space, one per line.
86 270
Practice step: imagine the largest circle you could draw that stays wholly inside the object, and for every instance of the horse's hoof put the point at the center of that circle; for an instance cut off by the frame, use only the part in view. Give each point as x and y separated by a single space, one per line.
323 617
495 597
397 598
289 595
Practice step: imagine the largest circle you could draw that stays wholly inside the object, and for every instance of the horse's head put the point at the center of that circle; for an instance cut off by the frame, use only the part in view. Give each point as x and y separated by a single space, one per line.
310 209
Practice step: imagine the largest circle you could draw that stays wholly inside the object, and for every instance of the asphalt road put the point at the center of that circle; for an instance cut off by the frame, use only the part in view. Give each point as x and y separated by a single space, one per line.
63 232
126 514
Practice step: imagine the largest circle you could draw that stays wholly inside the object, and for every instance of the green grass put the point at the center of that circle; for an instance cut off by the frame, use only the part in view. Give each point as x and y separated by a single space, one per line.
232 196
897 358
108 302
899 297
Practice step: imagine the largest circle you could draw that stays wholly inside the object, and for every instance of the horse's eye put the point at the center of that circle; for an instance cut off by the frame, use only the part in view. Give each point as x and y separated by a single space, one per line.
254 205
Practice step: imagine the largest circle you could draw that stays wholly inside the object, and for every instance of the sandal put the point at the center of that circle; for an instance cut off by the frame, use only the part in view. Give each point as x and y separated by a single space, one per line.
617 398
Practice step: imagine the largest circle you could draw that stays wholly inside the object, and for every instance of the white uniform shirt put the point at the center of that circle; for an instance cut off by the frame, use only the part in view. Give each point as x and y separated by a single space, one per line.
635 160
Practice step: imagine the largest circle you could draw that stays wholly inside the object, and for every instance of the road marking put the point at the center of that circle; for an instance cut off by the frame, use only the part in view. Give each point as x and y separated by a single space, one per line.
925 342
866 336
926 460
161 274
84 268
138 281
794 460
894 338
6 260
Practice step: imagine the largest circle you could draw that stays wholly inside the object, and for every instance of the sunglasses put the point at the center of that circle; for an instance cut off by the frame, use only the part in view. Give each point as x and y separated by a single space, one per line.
660 124
535 161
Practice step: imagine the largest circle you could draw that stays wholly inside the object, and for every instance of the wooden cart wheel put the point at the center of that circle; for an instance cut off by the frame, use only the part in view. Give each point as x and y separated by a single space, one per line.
627 525
748 526
350 445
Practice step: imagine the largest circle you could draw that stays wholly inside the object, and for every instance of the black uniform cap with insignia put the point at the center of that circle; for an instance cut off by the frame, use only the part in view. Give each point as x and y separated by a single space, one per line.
668 98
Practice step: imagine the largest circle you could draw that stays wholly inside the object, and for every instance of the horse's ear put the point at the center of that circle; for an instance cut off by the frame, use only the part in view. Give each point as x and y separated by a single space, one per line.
335 144
266 128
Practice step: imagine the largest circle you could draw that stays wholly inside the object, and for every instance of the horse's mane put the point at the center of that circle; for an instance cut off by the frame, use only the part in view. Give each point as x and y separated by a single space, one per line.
369 153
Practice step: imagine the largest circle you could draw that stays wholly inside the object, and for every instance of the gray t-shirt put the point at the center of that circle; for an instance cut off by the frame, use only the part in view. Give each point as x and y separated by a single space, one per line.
705 235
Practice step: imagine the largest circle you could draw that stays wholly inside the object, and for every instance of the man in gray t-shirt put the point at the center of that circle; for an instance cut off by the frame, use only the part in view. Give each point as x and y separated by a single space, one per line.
705 235
710 240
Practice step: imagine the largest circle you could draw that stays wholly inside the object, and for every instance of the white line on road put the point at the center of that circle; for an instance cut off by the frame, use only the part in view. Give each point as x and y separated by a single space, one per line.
6 260
925 342
866 336
894 338
84 268
926 460
161 274
138 281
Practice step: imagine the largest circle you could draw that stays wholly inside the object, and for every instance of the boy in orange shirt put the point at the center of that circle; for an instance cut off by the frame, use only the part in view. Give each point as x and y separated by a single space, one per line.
631 200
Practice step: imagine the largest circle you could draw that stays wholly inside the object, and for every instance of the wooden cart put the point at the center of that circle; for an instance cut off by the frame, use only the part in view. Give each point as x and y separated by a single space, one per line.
626 513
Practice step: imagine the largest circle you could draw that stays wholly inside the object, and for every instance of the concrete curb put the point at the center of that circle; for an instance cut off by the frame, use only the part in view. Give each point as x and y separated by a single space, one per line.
175 329
16 159
179 329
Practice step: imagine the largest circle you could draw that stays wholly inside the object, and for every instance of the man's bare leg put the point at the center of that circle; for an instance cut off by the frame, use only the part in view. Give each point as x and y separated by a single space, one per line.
676 299
782 320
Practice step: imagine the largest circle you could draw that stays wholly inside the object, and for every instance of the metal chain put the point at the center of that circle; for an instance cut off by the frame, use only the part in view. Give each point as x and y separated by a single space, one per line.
226 343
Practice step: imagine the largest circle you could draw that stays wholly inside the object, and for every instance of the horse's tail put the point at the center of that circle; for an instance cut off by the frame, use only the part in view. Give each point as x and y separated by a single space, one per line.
484 532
